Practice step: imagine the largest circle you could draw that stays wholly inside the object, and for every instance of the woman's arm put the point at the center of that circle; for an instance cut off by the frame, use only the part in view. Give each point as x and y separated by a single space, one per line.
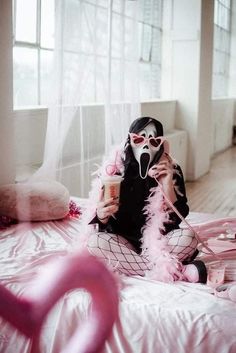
171 178
181 202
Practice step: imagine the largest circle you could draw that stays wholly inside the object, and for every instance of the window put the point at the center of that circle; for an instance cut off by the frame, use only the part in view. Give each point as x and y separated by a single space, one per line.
150 53
221 56
33 28
34 43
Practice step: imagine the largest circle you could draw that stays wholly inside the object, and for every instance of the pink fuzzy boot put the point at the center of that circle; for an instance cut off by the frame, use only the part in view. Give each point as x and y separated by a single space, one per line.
195 272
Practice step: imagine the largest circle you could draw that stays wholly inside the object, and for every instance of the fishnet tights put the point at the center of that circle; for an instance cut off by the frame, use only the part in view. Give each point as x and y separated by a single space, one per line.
121 255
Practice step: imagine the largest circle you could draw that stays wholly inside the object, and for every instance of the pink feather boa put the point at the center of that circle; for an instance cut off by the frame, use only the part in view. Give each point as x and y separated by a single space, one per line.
163 264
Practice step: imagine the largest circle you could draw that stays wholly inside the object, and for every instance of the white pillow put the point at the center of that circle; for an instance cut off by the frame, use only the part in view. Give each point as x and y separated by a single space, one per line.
34 201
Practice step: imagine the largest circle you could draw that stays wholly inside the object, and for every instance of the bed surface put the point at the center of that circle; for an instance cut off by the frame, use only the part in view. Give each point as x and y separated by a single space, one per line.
154 317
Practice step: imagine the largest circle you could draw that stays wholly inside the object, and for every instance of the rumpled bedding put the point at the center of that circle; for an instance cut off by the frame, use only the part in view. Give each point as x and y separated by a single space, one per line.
154 317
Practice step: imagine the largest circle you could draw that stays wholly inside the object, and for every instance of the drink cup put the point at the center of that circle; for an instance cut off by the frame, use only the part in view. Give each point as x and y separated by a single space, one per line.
216 274
112 187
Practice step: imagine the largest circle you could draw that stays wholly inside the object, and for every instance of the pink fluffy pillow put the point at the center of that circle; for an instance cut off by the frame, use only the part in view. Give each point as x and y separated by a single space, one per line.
34 201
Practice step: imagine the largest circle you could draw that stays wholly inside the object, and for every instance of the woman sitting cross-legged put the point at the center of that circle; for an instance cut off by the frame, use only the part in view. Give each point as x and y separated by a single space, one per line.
138 233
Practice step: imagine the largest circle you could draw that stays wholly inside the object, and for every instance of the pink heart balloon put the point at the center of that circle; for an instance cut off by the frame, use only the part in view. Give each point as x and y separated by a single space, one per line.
80 270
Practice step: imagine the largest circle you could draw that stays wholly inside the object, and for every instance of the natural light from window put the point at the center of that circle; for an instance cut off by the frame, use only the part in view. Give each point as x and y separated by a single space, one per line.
33 27
33 51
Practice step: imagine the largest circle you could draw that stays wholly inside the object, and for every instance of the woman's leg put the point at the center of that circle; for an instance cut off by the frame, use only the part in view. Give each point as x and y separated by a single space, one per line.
123 258
117 252
182 243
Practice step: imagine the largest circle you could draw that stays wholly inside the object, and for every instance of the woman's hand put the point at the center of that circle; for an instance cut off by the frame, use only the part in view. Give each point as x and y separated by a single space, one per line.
163 171
107 208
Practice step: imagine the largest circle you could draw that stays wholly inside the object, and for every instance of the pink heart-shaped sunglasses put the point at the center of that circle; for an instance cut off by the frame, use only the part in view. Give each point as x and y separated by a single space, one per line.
140 140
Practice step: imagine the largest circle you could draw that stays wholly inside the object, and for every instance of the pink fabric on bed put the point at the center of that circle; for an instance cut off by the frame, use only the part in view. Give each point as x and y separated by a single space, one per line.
154 317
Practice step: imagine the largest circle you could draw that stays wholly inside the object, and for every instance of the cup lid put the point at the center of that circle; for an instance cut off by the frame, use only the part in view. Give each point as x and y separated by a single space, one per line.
112 178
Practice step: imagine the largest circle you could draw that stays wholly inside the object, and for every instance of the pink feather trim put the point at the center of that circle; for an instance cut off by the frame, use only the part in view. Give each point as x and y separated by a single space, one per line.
114 164
163 264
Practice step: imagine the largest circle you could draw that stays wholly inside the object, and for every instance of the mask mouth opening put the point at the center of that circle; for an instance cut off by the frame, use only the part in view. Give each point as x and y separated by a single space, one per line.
144 165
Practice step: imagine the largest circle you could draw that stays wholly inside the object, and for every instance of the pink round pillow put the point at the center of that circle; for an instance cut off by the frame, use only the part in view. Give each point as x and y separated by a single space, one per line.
34 201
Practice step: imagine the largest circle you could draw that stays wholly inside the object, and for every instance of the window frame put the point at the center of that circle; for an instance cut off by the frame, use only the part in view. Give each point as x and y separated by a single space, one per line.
219 30
149 64
37 46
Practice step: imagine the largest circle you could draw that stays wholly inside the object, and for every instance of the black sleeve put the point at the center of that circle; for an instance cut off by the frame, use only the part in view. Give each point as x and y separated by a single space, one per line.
181 202
101 226
104 227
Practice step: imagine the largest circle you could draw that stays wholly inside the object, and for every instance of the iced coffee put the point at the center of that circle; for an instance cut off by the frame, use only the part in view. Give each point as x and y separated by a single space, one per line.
112 187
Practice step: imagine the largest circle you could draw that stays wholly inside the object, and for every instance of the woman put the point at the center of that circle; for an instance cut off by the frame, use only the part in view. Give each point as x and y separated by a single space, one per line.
141 234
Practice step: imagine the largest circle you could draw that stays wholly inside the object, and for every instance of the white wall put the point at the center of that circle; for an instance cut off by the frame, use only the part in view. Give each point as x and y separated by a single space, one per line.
192 34
30 127
30 131
164 111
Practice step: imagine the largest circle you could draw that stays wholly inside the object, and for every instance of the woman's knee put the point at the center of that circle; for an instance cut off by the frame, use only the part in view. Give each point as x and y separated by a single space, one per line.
182 243
182 237
96 243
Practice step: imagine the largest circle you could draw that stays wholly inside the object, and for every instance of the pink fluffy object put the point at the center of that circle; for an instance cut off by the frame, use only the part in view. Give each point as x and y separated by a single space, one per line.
77 270
163 264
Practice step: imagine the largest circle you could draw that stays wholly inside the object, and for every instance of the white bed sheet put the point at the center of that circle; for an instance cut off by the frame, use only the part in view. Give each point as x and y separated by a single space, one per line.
154 317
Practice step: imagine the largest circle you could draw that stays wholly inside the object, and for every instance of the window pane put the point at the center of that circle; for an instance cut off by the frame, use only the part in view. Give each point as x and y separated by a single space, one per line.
147 11
117 36
101 70
157 13
221 55
145 78
156 46
26 20
146 43
117 87
150 76
25 76
129 49
87 17
47 23
46 64
88 28
78 72
118 6
101 31
155 80
224 17
216 12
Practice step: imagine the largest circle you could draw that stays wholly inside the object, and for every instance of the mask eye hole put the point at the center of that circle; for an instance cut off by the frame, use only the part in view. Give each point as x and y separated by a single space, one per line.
155 142
138 139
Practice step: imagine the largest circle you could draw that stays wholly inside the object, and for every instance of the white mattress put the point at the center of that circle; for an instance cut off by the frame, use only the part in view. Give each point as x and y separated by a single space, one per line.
154 317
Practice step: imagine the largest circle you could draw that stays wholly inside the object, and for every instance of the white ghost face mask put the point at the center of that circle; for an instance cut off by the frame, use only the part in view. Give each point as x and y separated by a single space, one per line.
145 145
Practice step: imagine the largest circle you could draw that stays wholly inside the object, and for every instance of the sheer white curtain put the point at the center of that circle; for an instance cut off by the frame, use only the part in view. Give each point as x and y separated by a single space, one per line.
95 88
